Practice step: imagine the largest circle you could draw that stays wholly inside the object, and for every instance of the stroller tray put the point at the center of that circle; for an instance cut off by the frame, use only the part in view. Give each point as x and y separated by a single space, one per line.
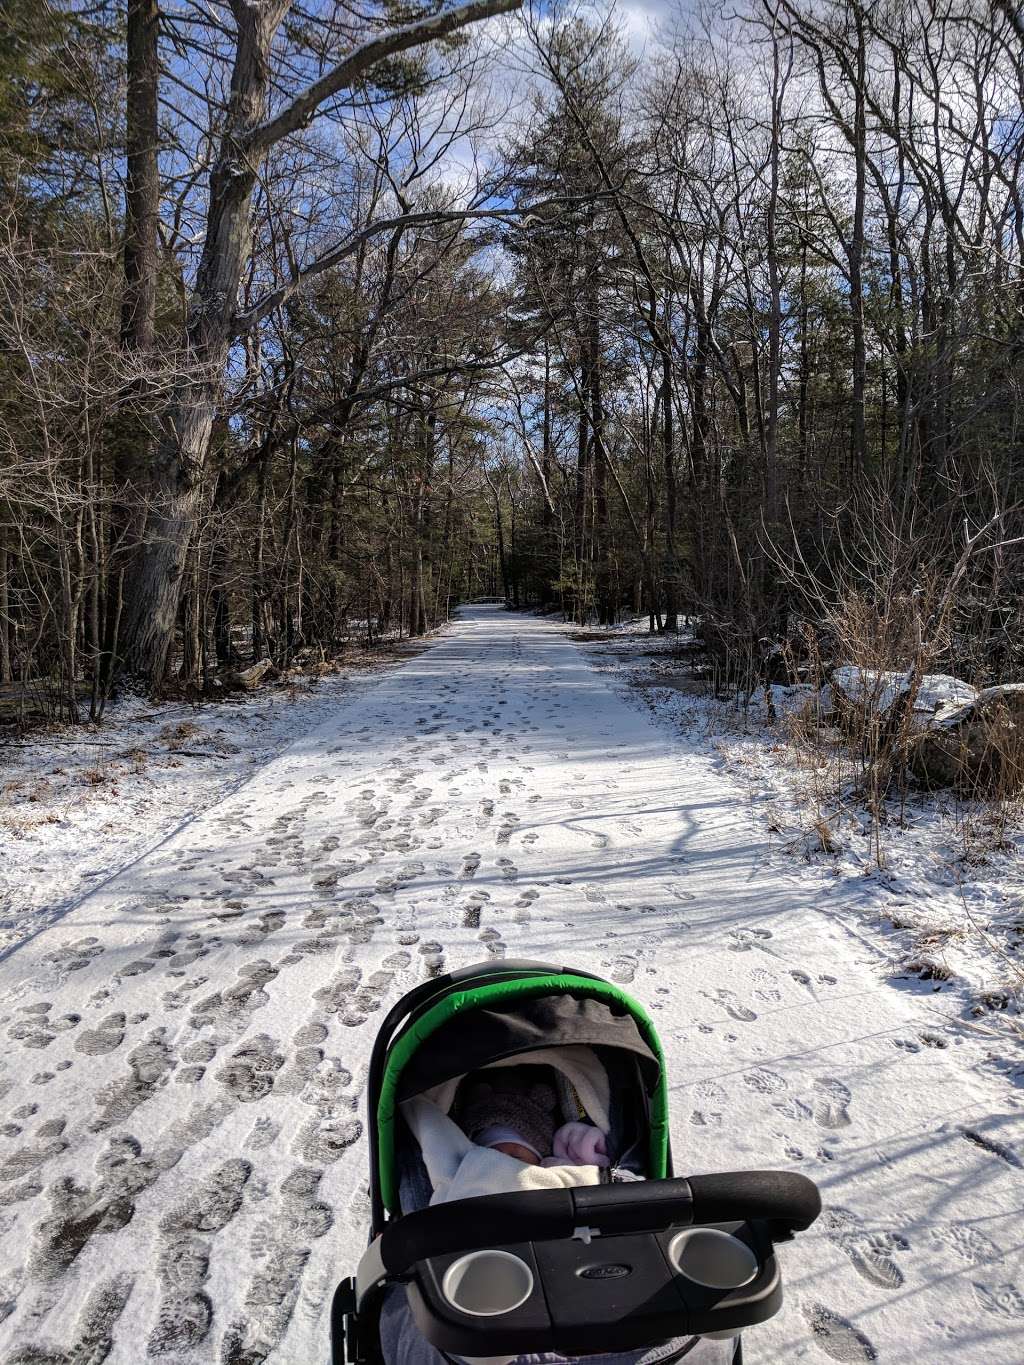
616 1292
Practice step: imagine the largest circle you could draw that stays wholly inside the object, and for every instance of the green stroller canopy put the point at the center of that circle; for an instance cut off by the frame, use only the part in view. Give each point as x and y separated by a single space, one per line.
470 1027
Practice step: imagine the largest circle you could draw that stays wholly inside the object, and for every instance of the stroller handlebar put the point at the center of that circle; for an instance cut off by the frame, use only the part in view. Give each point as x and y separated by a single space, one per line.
786 1201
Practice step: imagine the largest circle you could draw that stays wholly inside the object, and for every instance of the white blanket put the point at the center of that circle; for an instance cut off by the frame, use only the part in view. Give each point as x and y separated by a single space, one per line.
459 1169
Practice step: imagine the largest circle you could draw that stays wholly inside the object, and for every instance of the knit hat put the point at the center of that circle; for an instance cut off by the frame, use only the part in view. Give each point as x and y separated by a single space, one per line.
519 1099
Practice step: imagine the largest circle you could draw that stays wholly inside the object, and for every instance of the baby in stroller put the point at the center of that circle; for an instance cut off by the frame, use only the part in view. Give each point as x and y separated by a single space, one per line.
516 1111
531 1102
542 1120
545 1123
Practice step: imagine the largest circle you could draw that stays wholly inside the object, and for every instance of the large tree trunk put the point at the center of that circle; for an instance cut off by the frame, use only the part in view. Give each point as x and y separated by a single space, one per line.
142 177
669 462
858 427
181 459
153 591
602 524
152 598
133 449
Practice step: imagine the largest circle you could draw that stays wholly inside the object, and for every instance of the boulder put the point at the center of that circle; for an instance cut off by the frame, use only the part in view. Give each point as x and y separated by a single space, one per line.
939 691
978 746
862 694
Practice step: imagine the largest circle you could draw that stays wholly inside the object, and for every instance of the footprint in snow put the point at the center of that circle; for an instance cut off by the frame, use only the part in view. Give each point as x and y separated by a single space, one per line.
713 1102
492 940
433 958
622 969
837 1337
743 940
1001 1300
93 1332
765 988
281 1251
507 828
905 1044
831 1102
870 1253
933 1040
185 1313
733 1007
250 1073
48 1142
794 1109
765 1082
966 1242
262 1134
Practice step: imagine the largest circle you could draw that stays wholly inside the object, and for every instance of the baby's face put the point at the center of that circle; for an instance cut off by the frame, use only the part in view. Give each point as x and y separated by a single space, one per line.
517 1150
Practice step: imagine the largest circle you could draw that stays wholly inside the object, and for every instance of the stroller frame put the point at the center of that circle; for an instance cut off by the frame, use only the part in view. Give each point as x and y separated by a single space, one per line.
636 1221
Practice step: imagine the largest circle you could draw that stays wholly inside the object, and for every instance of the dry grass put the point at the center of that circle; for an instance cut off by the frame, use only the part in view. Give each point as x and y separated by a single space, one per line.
23 823
178 735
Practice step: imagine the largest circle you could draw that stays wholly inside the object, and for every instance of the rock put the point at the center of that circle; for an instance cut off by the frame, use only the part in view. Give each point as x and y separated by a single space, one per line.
978 746
863 700
866 691
940 690
248 679
860 693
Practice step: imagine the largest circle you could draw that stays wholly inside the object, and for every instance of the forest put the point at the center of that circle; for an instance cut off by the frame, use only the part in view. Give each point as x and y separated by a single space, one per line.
318 319
511 679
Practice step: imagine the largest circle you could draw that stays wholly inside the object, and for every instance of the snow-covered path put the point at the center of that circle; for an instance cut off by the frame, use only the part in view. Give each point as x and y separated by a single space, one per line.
181 1169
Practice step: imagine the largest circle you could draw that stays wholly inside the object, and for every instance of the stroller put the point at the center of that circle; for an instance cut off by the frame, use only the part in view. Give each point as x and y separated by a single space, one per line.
639 1268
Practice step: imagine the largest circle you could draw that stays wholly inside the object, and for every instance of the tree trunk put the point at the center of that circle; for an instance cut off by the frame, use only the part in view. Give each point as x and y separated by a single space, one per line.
671 622
133 449
602 529
142 177
181 459
858 429
6 631
151 604
578 591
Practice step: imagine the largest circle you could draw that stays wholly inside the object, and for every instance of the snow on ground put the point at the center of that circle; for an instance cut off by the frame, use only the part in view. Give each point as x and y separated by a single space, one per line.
182 1170
80 804
939 881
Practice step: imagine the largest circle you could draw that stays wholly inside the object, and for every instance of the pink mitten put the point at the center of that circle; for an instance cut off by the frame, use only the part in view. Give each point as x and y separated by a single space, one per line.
579 1144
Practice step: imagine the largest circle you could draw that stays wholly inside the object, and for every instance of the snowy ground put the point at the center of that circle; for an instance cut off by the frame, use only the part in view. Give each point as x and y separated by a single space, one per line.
939 879
80 804
181 1166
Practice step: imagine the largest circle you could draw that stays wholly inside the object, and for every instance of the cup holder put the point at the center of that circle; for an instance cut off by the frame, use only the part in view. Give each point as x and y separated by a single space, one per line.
712 1258
487 1283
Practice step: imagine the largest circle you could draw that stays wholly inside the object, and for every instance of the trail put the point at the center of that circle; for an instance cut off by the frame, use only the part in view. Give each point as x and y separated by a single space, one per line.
182 1171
